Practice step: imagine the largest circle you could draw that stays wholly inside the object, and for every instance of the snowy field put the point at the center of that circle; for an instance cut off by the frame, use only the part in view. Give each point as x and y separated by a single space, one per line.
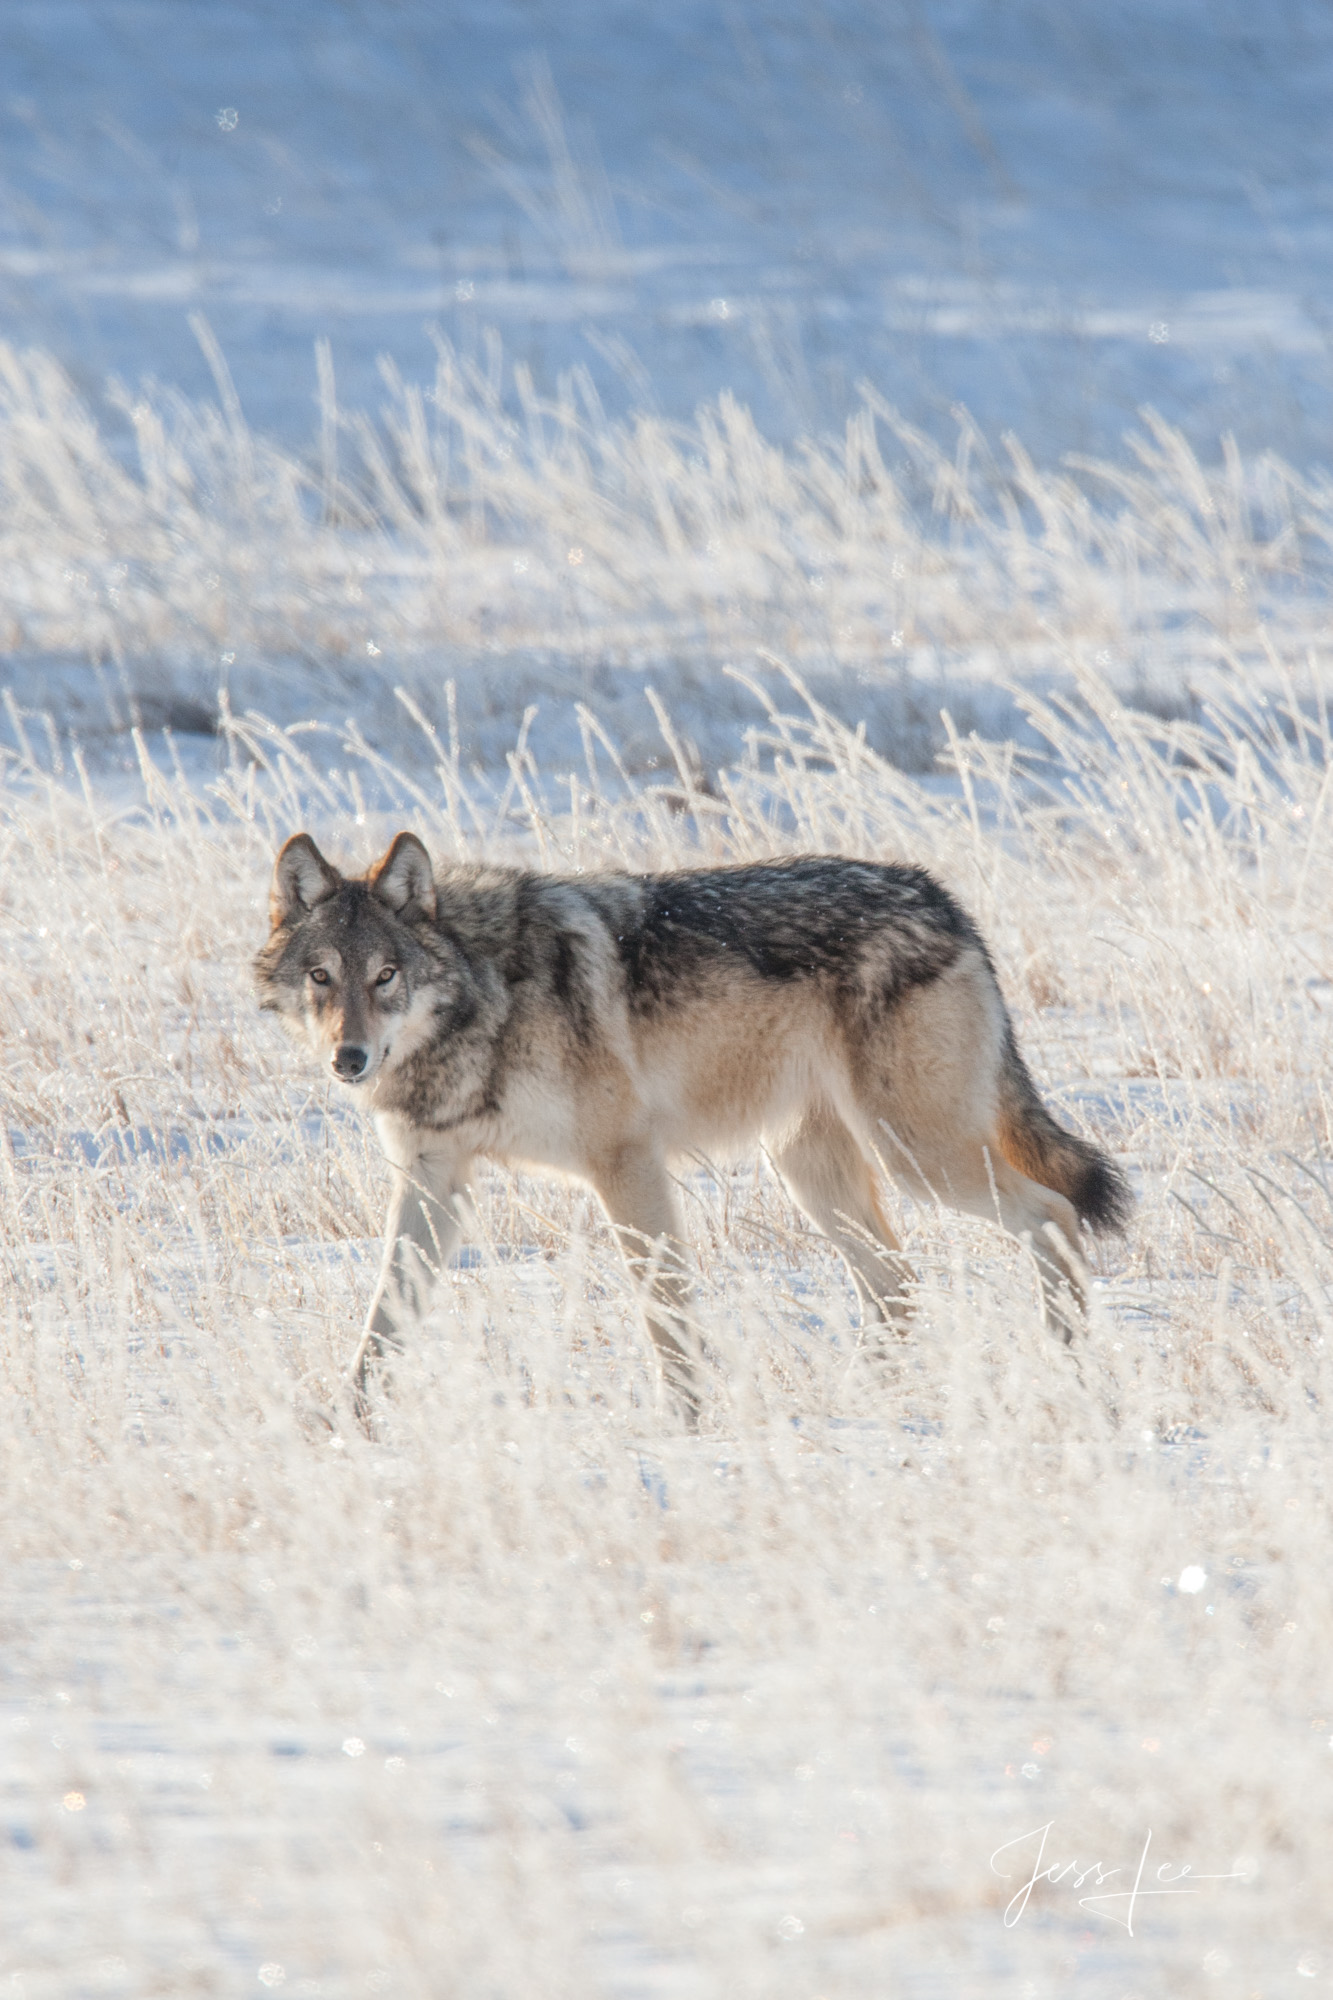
1051 212
531 1694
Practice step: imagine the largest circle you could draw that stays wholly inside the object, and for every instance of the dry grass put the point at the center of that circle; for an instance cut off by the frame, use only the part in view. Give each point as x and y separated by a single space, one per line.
472 514
532 1695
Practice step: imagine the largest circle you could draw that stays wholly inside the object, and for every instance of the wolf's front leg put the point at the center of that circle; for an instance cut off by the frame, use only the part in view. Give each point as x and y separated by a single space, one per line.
636 1192
421 1230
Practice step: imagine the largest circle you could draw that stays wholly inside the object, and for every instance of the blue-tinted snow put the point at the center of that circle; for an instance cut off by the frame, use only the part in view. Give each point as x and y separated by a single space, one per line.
1051 211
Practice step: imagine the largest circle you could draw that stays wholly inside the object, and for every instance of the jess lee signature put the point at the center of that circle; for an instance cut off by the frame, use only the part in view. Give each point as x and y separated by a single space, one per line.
1117 1905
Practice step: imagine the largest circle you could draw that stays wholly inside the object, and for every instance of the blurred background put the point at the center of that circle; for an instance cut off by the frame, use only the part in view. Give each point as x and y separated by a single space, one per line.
1051 212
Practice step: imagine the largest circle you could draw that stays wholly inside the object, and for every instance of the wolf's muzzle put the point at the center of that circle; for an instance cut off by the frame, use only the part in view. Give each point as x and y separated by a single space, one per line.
349 1061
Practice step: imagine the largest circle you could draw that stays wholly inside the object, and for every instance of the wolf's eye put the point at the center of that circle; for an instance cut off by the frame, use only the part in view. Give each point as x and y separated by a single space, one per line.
387 977
319 975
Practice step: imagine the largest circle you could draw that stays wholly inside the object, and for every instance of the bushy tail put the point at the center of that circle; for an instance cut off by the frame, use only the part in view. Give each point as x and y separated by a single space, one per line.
1032 1141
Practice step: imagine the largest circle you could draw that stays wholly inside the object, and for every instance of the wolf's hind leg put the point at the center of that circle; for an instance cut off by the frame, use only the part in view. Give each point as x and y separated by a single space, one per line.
977 1179
1049 1223
421 1229
832 1182
635 1190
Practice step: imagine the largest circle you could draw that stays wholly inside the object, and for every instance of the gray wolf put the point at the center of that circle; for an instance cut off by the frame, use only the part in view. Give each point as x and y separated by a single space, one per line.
602 1025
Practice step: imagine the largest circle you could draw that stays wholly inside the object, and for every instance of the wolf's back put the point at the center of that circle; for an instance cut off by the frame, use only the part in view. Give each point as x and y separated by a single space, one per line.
1041 1148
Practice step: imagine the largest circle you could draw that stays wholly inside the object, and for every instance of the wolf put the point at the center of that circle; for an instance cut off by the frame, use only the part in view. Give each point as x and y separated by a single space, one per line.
601 1026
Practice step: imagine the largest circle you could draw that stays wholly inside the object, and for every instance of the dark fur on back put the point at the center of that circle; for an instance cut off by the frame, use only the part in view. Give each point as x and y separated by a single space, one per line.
807 918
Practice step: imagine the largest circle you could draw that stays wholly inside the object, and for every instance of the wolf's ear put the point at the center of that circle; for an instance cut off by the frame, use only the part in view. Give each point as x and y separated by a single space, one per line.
404 879
301 879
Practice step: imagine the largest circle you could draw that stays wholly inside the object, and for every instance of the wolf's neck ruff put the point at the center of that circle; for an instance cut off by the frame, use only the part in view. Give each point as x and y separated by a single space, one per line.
846 1012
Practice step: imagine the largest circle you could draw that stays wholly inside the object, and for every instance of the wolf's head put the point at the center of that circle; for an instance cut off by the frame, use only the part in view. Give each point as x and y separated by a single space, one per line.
355 965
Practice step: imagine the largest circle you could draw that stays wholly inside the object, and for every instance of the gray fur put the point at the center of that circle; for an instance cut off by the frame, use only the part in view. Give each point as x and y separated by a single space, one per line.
598 1025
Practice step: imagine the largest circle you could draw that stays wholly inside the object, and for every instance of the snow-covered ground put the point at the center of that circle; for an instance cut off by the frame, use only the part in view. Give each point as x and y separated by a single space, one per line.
1052 213
533 1695
660 536
559 355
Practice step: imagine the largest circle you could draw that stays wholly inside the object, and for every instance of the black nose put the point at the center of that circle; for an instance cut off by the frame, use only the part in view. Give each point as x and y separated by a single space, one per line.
348 1060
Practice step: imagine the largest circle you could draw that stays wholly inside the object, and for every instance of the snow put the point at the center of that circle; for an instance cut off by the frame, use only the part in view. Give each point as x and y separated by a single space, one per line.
526 1693
773 1710
956 203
